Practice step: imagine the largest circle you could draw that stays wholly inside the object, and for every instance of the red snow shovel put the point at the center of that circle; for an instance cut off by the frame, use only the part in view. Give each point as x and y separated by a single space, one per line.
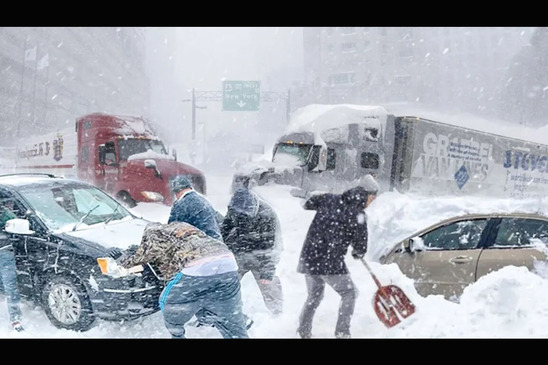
390 302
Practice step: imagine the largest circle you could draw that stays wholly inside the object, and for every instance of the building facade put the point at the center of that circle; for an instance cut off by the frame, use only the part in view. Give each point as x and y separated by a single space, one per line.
458 66
51 75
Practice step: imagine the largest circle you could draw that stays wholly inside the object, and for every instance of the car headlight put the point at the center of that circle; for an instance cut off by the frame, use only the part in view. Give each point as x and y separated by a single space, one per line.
153 195
110 267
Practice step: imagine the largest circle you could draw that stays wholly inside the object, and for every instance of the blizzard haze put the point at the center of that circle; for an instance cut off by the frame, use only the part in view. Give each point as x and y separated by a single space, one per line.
509 303
491 79
201 58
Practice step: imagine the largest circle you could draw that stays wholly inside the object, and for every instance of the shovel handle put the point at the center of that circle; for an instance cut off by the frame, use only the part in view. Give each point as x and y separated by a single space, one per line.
371 272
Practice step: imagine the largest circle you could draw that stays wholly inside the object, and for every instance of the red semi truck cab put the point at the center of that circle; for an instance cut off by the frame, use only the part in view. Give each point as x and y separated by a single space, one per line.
123 156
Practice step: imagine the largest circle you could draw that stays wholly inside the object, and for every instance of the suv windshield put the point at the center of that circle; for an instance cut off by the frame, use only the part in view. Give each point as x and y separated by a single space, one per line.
65 206
132 146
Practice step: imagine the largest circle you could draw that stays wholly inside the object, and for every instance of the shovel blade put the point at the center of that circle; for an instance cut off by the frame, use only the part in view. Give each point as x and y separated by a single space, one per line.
385 313
392 305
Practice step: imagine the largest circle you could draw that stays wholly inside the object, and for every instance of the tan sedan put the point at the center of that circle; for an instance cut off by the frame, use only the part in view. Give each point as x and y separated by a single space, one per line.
446 257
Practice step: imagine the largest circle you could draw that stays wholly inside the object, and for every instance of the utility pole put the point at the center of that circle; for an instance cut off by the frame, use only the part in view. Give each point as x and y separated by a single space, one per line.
194 107
288 106
268 96
193 115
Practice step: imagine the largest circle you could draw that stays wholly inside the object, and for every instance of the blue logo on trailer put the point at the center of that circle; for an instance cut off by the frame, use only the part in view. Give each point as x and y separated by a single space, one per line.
461 176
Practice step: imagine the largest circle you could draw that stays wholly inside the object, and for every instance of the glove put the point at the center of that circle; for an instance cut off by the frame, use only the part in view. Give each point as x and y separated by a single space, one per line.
115 253
357 255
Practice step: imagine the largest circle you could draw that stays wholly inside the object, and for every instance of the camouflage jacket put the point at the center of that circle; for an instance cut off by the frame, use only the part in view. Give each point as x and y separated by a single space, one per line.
170 247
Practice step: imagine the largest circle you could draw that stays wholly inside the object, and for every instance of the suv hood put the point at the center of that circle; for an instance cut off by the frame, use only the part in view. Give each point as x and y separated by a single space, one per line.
120 234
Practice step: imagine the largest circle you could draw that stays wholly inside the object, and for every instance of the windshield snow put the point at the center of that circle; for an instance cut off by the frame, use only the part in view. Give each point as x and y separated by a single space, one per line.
65 206
132 146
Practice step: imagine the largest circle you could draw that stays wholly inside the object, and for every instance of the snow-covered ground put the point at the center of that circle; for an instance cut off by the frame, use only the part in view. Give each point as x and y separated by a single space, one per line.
509 303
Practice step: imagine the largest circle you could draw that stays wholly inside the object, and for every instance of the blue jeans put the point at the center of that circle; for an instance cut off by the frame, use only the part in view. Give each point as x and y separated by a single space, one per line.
9 282
219 295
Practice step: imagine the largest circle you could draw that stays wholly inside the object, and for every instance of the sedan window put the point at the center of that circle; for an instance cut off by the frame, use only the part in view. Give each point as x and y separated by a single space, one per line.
456 236
521 232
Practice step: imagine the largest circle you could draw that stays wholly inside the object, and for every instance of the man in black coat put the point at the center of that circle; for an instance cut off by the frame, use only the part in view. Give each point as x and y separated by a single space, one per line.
339 222
251 230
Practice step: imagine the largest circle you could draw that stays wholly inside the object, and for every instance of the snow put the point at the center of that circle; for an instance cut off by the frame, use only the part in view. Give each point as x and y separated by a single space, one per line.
120 233
318 117
471 121
132 125
150 154
509 303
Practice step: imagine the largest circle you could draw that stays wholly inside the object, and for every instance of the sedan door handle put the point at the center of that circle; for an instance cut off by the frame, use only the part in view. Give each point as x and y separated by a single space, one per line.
460 260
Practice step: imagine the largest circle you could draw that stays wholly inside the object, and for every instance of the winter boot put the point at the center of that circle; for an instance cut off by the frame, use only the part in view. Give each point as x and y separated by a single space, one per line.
341 335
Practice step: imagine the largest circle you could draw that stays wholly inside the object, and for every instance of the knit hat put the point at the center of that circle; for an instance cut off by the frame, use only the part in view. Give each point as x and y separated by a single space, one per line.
179 183
370 185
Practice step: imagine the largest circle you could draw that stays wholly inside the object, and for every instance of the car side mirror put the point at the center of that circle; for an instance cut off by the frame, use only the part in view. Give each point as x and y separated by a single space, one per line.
413 244
150 164
407 245
19 226
102 153
318 159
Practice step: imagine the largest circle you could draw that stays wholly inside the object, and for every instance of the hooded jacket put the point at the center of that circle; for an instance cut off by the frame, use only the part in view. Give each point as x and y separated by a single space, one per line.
339 222
251 225
251 230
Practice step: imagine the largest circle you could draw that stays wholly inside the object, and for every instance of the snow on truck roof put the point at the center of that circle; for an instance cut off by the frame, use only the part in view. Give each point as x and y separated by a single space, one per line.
129 125
318 117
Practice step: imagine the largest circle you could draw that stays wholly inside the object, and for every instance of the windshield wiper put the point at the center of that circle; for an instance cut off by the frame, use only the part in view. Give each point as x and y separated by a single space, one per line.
113 213
84 217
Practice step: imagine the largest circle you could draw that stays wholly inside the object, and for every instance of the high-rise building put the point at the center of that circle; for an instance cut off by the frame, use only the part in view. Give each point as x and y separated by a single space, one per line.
51 75
458 66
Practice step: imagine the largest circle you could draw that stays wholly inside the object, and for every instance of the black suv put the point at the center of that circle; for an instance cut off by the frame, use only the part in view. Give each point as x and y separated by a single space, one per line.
73 223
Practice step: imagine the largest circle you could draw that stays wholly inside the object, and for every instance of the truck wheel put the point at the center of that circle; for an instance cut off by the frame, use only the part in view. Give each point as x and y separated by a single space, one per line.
67 304
126 199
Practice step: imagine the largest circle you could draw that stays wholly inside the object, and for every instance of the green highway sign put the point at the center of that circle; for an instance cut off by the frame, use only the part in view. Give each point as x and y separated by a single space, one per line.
241 95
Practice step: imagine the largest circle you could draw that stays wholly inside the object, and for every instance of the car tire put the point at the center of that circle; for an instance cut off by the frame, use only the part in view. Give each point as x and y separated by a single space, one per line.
126 199
67 304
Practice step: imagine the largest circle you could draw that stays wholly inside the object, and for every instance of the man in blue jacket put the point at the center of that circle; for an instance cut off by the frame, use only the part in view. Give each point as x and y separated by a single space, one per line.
192 207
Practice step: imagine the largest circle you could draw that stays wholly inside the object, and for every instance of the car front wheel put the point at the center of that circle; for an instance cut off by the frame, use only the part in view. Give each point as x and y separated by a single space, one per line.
67 305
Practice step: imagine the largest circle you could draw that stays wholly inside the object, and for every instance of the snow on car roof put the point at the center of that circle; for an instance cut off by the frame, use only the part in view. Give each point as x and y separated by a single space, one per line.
27 178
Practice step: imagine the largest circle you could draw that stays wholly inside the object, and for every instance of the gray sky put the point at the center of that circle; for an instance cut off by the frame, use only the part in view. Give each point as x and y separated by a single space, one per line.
272 55
201 58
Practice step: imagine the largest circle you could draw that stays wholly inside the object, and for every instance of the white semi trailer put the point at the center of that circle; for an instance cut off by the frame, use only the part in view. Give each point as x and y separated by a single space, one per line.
331 147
